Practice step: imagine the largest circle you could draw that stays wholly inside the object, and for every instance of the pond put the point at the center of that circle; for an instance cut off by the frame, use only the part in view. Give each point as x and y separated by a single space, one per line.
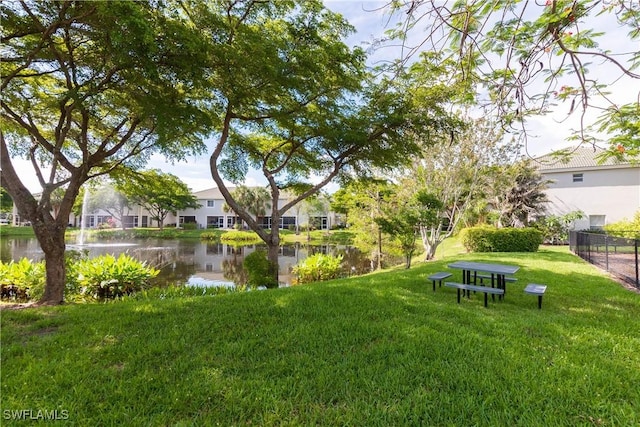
192 261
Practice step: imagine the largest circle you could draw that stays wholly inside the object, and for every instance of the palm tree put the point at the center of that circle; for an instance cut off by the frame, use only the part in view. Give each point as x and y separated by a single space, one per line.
525 197
256 200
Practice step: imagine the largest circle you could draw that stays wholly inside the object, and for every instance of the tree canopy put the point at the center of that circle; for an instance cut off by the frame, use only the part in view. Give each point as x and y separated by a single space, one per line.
88 87
158 192
303 110
528 57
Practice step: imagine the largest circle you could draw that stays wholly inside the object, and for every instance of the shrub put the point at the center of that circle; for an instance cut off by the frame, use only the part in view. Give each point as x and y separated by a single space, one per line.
110 277
209 235
190 226
259 270
490 239
555 228
240 236
318 267
100 277
625 228
22 280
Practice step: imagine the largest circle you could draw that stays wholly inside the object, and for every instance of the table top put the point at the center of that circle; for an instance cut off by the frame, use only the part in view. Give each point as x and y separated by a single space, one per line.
485 266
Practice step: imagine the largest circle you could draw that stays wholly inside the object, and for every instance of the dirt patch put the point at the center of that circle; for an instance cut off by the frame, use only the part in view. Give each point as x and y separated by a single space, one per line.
17 305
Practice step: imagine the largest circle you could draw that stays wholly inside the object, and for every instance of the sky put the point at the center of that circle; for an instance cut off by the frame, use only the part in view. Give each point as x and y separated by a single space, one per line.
371 20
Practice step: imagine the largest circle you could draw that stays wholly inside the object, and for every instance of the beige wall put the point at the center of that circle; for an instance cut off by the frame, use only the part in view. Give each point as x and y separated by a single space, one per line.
613 193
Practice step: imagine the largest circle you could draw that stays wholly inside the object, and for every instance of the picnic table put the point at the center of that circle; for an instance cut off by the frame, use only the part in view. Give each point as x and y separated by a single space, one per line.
498 272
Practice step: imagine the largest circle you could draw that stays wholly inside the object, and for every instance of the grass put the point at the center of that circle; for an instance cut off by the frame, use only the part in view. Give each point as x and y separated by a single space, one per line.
317 236
381 349
340 237
9 230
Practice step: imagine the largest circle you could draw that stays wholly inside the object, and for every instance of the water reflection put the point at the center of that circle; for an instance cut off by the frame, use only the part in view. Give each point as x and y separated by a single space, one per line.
188 261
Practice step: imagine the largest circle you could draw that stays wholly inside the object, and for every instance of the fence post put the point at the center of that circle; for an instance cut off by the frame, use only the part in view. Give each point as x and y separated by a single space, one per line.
637 281
606 252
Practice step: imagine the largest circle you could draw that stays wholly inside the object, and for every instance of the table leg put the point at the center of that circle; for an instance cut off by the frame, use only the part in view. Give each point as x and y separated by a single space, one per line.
466 278
493 296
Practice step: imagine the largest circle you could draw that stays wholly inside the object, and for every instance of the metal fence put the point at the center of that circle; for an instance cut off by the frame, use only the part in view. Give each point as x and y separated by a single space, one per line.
617 255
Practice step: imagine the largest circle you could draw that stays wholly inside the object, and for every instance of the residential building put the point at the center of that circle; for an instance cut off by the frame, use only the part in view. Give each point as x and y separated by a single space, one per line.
606 191
213 213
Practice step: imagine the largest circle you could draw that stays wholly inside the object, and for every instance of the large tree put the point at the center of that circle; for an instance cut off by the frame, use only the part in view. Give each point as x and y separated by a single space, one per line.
88 87
404 218
303 110
456 174
364 201
529 57
158 192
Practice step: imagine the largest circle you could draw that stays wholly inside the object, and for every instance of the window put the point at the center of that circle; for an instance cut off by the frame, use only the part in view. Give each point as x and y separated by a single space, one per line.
596 222
187 219
130 221
232 221
288 222
215 221
319 222
264 221
577 177
211 203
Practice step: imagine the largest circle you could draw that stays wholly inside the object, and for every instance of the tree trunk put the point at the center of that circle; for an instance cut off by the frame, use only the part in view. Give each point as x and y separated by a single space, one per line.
51 239
379 267
56 276
273 253
431 239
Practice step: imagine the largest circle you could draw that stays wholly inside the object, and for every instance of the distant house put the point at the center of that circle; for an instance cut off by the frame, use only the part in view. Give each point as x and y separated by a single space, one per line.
606 192
212 214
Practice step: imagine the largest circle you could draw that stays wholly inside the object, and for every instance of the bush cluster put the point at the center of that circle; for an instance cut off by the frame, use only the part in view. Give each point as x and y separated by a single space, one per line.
209 235
240 236
629 229
98 278
259 270
491 239
20 280
318 267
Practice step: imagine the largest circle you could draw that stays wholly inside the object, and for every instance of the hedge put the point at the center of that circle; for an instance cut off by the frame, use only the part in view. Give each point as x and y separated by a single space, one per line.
491 239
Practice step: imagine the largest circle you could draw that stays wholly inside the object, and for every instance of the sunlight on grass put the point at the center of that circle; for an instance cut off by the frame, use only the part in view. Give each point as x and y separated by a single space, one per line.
379 349
145 308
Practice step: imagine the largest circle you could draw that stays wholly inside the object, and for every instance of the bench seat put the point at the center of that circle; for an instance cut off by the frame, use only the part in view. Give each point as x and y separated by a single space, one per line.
487 290
488 276
536 289
439 276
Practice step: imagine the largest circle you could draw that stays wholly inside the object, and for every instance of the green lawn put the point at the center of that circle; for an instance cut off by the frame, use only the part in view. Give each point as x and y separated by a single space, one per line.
9 230
381 349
